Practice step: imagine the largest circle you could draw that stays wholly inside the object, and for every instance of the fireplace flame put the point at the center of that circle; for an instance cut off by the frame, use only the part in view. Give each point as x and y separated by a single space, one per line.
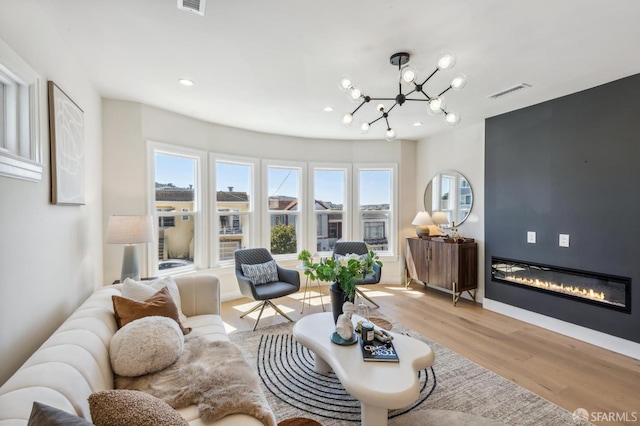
568 289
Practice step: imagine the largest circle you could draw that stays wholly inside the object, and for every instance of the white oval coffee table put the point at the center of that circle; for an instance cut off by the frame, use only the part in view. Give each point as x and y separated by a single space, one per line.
379 386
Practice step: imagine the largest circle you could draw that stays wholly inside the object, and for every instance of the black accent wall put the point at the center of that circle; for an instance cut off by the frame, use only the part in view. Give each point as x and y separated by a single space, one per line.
568 166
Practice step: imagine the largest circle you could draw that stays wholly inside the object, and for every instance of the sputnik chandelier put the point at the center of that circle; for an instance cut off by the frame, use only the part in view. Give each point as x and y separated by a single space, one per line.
408 76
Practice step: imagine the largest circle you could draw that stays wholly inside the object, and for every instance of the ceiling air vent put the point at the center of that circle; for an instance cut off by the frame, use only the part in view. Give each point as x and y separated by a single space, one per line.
195 6
509 91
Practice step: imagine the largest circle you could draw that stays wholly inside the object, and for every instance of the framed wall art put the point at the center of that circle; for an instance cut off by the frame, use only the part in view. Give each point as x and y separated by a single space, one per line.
66 130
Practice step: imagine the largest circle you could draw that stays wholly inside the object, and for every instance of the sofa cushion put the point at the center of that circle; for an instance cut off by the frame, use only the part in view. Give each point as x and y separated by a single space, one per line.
161 304
142 290
45 415
145 346
124 407
261 273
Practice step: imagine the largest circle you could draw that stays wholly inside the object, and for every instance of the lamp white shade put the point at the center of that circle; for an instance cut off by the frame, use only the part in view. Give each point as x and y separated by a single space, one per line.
129 230
422 219
422 222
440 218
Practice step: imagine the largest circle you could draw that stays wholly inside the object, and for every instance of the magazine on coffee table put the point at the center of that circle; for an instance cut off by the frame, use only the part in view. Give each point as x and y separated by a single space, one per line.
378 351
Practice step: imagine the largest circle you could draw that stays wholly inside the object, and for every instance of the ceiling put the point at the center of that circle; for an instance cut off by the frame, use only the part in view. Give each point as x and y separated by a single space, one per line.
273 66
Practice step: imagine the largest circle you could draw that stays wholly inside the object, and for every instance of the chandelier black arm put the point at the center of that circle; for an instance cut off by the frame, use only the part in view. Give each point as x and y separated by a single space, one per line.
359 106
431 75
387 120
445 91
419 100
382 99
377 119
425 93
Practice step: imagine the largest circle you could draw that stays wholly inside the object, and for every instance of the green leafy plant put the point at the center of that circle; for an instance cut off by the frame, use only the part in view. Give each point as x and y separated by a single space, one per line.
283 239
345 270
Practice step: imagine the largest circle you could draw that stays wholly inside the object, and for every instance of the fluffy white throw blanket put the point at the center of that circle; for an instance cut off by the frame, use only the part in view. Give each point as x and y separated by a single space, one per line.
212 375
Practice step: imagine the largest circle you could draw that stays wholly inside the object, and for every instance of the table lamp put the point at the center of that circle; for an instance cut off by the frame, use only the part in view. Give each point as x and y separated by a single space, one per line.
422 222
130 230
440 218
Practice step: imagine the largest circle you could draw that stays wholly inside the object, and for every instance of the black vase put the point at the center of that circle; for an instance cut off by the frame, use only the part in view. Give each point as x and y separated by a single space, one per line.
338 297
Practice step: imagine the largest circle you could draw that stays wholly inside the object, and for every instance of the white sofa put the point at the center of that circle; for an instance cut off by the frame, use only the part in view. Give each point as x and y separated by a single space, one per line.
74 361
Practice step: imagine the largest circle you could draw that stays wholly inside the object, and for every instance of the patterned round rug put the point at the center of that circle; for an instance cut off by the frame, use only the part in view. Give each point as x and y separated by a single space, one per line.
286 369
381 322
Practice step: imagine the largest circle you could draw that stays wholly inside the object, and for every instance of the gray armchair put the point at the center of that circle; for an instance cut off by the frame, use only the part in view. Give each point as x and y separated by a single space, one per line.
358 247
288 281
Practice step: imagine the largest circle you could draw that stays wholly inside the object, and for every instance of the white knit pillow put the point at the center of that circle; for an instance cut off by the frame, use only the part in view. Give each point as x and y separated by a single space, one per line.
261 273
145 346
142 290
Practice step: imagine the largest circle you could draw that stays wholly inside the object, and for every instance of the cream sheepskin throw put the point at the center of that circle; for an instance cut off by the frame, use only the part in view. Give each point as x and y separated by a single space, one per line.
212 375
145 346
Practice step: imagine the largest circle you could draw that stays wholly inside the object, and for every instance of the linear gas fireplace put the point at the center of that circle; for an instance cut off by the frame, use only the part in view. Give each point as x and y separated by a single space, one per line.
599 289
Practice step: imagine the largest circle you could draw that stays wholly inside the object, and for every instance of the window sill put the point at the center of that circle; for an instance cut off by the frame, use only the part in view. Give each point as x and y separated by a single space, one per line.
17 167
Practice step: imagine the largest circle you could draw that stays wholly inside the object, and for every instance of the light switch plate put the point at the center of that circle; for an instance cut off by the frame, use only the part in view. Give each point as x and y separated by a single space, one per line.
564 240
531 237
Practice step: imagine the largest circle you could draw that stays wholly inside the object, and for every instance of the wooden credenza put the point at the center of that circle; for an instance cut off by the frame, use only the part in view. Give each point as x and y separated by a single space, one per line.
450 265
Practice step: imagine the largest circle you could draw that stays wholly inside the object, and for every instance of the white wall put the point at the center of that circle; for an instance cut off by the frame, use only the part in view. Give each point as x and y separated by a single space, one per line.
128 126
50 256
461 150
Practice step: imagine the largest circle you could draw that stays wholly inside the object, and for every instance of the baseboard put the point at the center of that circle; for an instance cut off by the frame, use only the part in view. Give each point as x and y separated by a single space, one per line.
597 338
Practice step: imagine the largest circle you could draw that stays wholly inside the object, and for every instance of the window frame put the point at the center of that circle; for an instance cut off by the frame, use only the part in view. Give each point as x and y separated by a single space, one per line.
252 213
358 227
200 245
301 221
21 156
312 236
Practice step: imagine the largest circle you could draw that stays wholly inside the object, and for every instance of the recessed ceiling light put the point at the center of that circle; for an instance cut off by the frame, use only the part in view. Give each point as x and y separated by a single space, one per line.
417 123
186 82
328 108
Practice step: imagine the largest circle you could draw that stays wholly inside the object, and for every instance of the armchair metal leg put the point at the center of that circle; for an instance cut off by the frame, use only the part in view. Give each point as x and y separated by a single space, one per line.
359 292
262 305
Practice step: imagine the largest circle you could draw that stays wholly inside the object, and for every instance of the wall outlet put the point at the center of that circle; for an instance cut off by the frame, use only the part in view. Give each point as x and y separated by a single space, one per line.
564 240
531 237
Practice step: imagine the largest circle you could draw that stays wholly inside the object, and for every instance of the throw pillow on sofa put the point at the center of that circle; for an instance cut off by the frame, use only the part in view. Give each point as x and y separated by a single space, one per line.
161 304
142 290
146 345
124 407
46 415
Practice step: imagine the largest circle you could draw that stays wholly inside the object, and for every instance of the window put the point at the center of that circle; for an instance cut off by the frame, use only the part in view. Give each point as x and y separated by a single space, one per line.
177 207
284 208
329 197
234 211
375 207
20 149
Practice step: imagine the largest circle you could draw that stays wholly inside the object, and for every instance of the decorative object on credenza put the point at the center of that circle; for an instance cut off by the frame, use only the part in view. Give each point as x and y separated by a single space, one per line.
440 219
409 76
422 222
130 230
66 131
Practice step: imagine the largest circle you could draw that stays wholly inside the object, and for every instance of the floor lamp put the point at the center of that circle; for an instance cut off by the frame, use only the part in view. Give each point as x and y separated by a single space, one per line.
130 230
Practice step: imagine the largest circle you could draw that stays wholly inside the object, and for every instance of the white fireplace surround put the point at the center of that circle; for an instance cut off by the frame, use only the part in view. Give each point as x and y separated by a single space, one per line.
597 338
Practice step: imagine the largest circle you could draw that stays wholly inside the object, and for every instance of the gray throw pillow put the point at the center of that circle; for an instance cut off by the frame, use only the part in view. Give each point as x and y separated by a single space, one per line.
261 273
46 415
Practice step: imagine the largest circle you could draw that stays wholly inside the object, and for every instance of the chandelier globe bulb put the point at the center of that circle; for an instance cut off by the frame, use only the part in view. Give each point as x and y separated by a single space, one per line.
347 119
390 134
408 74
355 93
436 105
380 107
345 83
446 61
459 82
452 119
364 128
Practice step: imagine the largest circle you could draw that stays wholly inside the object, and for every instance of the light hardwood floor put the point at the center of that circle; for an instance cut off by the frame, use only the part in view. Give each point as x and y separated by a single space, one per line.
565 371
